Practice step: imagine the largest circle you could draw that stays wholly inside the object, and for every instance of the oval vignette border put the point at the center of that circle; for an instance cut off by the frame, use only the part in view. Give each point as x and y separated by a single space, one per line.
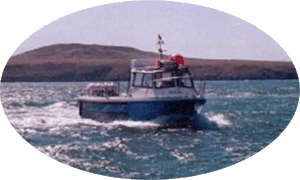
274 161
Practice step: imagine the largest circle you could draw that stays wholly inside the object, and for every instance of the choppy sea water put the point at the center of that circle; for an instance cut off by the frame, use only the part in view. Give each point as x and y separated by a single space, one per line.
249 114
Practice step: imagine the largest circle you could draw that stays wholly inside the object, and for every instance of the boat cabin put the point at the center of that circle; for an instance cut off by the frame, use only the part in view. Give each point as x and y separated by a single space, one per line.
162 78
166 74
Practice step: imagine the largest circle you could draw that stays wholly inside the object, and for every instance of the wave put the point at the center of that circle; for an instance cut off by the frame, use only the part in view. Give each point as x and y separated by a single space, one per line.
250 94
220 119
37 104
62 116
27 104
183 157
133 124
238 94
89 156
12 105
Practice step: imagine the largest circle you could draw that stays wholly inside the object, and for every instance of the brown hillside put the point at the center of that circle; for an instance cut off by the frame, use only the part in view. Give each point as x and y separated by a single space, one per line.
78 62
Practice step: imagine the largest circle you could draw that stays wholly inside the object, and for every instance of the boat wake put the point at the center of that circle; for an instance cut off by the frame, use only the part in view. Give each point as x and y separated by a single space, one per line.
63 116
219 119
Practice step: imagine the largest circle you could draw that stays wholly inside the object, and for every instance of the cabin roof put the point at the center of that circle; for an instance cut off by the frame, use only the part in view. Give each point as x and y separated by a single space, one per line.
151 66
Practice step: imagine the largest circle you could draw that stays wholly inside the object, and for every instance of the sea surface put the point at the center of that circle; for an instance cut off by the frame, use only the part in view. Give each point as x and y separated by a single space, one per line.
249 115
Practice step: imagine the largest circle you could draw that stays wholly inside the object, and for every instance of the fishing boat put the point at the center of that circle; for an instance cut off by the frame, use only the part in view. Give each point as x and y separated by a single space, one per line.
161 90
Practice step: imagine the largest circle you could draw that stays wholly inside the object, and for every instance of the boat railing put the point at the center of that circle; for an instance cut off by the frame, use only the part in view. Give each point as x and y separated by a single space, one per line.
202 87
171 78
173 84
106 89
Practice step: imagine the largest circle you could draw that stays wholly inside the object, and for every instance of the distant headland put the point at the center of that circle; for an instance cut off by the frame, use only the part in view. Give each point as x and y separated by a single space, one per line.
79 62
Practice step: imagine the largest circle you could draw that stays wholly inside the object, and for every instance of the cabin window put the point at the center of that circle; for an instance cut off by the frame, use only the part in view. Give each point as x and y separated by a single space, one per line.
143 80
165 80
147 81
185 81
137 79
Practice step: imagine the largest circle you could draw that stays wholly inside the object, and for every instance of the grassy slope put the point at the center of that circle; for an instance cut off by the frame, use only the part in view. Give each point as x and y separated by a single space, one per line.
77 62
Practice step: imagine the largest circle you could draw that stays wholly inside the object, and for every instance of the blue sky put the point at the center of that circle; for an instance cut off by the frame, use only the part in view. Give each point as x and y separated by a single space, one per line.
192 30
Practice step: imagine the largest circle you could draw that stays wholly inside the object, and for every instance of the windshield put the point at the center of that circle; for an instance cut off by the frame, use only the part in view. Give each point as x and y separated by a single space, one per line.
143 80
168 79
165 80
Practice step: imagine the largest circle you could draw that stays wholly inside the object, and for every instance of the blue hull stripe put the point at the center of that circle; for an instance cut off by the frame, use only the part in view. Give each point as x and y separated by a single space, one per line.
139 110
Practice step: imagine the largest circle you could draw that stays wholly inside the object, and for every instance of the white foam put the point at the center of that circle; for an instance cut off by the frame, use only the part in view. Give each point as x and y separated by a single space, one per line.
219 119
231 94
241 95
69 115
183 157
62 116
56 105
133 124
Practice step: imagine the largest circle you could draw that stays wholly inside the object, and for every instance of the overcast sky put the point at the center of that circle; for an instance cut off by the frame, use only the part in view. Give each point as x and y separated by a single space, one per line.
192 30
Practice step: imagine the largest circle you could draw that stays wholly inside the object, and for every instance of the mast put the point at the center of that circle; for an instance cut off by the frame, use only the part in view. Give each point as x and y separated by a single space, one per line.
160 42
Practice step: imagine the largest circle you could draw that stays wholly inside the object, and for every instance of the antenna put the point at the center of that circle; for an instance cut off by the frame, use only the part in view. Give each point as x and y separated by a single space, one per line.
160 42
